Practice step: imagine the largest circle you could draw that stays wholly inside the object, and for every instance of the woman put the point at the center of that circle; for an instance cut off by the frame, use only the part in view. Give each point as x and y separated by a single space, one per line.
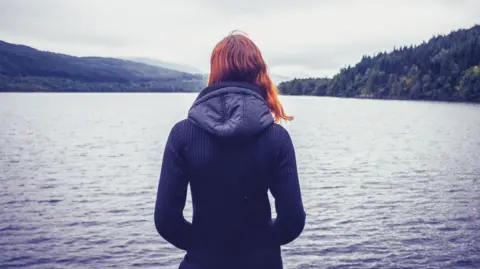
231 151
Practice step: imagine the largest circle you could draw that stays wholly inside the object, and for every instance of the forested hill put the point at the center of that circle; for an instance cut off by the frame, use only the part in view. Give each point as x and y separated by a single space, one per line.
444 68
24 68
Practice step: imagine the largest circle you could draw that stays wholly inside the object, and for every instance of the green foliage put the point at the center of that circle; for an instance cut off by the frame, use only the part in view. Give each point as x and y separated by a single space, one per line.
26 69
444 68
469 86
308 86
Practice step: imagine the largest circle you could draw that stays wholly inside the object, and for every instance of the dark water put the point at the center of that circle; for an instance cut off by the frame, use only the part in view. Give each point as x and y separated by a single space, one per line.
386 184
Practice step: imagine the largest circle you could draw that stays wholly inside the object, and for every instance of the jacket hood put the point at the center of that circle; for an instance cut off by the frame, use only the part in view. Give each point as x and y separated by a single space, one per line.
231 109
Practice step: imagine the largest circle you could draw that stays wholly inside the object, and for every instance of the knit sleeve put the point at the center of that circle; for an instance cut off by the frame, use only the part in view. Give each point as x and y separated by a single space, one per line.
172 192
285 189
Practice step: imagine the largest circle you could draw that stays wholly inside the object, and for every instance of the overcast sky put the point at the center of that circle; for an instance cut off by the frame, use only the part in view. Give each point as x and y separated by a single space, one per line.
297 37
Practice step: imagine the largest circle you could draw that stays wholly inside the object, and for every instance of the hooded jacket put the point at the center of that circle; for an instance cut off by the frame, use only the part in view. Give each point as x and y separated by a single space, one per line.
231 153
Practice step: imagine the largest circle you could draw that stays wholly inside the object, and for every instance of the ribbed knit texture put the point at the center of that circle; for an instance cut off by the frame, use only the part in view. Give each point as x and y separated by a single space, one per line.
229 179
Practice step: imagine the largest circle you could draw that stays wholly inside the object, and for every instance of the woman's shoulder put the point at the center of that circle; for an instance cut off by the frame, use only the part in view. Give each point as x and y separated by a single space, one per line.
179 125
278 134
279 130
177 133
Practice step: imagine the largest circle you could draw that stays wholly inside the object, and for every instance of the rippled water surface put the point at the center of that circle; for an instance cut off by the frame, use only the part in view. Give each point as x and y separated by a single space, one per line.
386 184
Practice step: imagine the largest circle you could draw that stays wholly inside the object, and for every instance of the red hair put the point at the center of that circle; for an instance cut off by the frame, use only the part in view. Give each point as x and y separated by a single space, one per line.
237 58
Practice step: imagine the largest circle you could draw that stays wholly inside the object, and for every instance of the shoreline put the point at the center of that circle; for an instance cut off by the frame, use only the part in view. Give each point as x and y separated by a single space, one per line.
385 99
281 95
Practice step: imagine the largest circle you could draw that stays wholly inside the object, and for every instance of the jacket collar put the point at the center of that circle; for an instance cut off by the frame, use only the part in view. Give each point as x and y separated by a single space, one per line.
225 84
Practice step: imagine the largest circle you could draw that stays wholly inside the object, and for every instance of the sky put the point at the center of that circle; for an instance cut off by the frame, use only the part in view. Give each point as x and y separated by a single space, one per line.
298 38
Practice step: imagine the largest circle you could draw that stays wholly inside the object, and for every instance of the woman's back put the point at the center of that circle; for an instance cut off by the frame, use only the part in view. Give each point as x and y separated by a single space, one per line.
231 153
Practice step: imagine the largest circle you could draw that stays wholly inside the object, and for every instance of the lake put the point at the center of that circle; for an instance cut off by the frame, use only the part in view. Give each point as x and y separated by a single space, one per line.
386 184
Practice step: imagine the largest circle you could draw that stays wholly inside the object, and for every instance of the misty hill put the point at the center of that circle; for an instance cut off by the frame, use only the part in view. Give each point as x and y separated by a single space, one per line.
189 69
444 68
163 64
23 68
279 78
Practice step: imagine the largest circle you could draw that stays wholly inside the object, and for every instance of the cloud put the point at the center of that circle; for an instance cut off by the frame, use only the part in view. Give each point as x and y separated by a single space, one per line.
296 37
254 8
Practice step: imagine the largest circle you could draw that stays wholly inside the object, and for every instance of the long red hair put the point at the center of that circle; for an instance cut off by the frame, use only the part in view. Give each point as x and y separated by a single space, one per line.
237 58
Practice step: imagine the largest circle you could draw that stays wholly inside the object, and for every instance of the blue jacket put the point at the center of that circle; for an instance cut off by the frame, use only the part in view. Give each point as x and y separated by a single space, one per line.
231 153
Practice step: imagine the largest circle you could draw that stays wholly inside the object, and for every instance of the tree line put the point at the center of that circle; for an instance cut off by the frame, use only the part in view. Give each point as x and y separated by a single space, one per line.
445 68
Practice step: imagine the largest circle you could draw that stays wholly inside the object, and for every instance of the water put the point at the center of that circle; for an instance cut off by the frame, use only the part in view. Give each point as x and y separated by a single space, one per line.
386 184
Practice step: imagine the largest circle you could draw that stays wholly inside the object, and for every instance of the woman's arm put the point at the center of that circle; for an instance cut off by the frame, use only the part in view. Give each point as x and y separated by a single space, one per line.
172 193
285 188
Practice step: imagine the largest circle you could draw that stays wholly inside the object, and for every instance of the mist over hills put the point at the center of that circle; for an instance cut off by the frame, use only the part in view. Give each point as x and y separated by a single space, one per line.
169 65
190 69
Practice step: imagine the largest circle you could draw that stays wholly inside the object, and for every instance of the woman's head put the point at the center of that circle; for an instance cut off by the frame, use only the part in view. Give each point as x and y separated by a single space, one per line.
237 58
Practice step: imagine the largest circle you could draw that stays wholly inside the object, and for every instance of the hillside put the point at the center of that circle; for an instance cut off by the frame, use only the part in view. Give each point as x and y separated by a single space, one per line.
445 68
24 68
